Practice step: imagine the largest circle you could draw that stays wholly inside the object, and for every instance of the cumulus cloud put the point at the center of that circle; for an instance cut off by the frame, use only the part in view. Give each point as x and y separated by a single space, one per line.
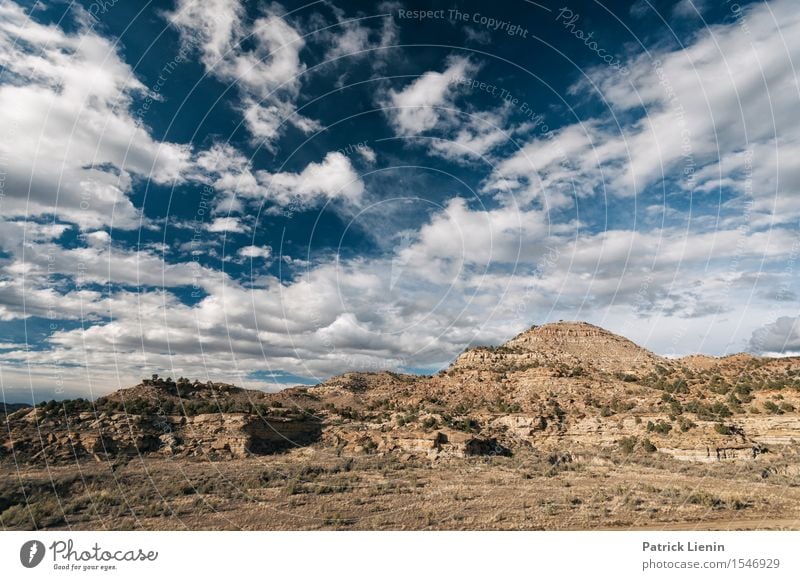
357 38
267 73
367 153
409 307
435 109
255 252
332 178
718 113
416 108
65 104
227 225
468 273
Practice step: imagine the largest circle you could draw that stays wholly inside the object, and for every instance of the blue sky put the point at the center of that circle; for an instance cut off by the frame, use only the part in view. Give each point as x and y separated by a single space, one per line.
270 194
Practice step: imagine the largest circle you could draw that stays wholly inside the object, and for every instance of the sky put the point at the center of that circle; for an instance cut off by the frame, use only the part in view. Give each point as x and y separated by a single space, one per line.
271 194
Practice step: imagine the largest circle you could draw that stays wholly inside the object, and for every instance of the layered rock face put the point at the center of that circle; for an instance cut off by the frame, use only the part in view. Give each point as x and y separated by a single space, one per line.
565 388
105 436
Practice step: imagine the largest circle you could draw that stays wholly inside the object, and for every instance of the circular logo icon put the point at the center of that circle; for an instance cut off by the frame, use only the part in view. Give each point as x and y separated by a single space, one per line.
31 553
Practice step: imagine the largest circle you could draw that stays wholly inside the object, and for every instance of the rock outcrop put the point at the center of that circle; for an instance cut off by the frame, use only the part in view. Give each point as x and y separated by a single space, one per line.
560 388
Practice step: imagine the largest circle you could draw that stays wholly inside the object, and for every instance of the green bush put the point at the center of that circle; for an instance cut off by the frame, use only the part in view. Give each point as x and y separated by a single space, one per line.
660 427
648 446
627 444
723 429
429 422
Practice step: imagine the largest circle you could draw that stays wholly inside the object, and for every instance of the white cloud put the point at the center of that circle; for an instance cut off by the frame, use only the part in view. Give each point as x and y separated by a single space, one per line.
429 111
475 134
333 178
66 108
98 239
512 268
689 8
357 38
417 107
267 73
731 92
214 26
367 153
264 252
227 225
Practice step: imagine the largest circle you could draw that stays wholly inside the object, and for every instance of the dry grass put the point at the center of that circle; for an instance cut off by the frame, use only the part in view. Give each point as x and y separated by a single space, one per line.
316 490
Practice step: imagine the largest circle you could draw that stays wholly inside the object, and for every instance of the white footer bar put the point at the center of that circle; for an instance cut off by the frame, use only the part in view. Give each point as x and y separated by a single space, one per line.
417 555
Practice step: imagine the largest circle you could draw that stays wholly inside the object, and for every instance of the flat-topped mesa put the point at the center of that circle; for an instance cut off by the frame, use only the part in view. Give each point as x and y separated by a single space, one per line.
157 389
362 381
568 343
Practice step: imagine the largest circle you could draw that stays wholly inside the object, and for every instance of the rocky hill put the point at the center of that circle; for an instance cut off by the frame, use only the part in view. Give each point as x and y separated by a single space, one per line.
569 344
564 388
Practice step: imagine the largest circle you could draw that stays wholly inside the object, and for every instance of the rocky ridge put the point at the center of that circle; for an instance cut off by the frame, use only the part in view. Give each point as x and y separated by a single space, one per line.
563 388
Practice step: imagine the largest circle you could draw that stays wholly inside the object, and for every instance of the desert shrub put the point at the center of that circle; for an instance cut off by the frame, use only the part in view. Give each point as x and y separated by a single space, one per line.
660 427
675 406
429 423
772 408
678 386
556 408
686 424
705 411
706 499
648 446
620 406
723 429
467 424
743 392
719 385
627 444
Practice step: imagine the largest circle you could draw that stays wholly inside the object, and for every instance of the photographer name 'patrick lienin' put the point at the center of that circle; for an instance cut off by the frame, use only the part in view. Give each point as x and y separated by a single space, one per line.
682 547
